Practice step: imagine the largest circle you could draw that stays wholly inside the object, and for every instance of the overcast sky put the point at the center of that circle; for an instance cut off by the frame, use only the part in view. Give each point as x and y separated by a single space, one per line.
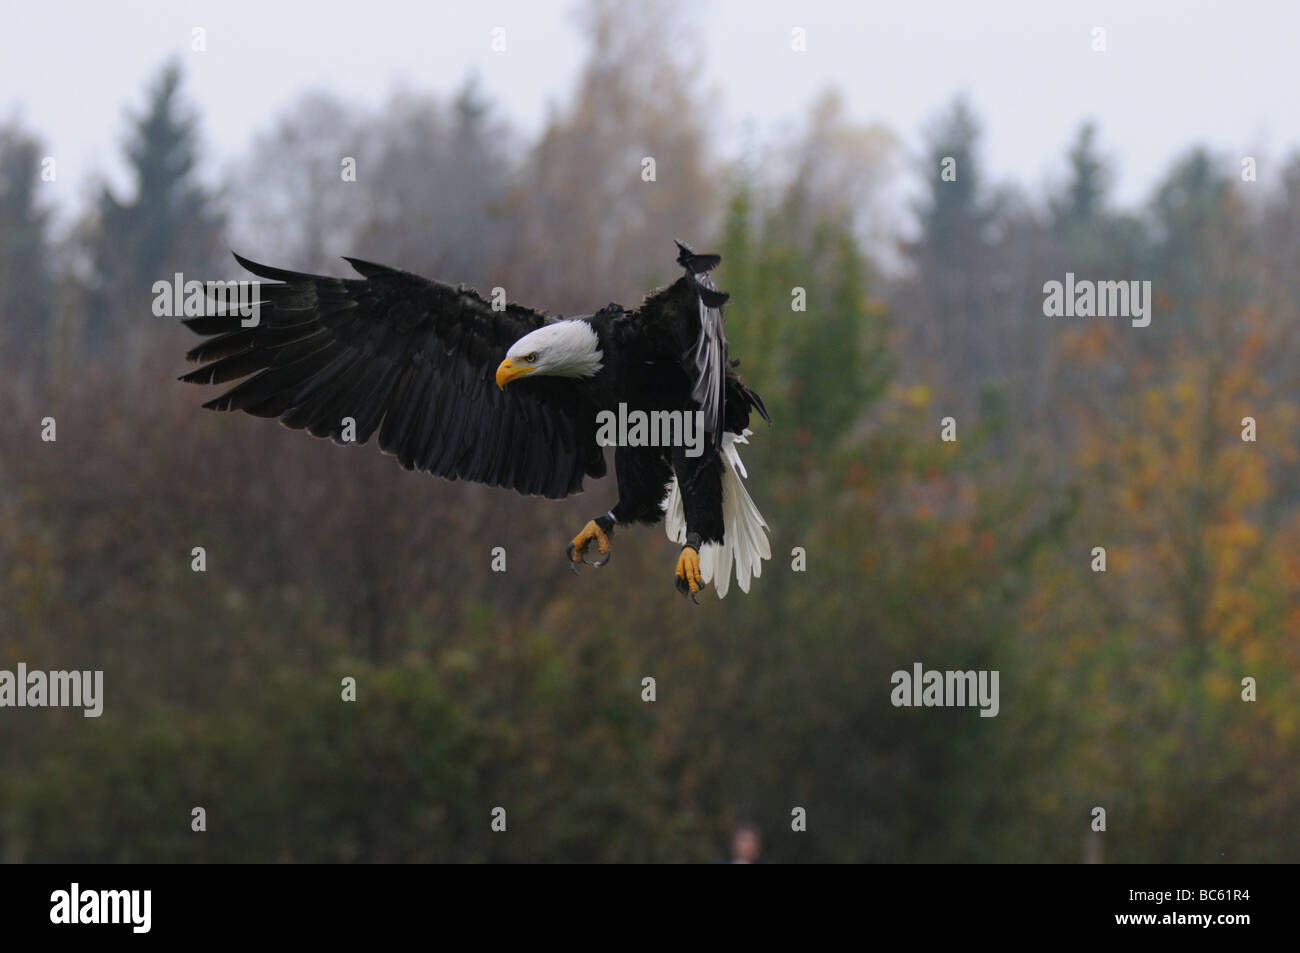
1173 73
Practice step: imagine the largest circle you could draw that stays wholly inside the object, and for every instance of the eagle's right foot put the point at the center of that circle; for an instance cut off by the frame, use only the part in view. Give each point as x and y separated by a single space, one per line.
599 531
689 579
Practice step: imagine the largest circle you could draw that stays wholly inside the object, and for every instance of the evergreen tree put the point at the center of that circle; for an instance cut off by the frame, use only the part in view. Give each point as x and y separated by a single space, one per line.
951 213
1186 210
1083 201
26 283
169 224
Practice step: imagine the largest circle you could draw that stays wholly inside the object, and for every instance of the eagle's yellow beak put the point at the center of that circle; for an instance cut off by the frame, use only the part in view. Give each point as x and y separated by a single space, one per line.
508 371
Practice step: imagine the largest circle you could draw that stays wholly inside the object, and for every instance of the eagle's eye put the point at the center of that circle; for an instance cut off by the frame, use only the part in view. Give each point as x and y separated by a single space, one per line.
531 358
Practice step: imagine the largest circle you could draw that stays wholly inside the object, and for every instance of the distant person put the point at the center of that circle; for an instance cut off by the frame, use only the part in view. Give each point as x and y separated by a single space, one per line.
746 845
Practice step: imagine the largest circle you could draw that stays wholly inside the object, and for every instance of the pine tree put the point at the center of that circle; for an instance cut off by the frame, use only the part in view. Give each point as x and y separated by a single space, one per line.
1085 195
168 226
25 276
952 216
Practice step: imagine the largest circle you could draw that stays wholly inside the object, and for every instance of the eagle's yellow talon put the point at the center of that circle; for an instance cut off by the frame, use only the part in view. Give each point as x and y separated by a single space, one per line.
688 569
583 540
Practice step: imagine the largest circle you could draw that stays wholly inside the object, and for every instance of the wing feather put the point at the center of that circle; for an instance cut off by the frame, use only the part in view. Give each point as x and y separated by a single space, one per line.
407 358
689 312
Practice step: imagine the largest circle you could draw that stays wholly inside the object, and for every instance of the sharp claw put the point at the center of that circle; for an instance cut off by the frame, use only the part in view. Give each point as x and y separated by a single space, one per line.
573 563
602 562
689 580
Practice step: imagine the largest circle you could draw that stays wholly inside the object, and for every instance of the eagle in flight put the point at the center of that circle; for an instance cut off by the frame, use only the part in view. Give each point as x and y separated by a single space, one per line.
510 397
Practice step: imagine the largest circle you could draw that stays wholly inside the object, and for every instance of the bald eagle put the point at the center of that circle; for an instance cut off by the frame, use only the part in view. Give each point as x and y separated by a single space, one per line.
510 397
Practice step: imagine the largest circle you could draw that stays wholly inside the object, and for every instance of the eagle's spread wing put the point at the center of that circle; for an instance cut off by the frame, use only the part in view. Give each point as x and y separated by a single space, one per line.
411 358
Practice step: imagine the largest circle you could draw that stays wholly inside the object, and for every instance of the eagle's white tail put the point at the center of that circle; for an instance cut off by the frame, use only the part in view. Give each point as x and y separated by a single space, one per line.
744 543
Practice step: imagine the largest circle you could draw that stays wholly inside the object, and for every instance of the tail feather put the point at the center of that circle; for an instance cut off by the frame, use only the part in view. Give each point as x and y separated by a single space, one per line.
745 544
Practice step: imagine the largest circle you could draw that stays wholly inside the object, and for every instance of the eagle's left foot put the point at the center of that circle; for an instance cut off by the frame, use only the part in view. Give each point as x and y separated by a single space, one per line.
689 578
598 530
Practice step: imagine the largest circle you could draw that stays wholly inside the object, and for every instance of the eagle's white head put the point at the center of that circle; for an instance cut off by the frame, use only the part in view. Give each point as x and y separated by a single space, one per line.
563 349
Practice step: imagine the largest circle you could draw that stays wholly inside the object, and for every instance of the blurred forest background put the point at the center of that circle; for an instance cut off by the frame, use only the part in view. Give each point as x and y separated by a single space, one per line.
523 689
